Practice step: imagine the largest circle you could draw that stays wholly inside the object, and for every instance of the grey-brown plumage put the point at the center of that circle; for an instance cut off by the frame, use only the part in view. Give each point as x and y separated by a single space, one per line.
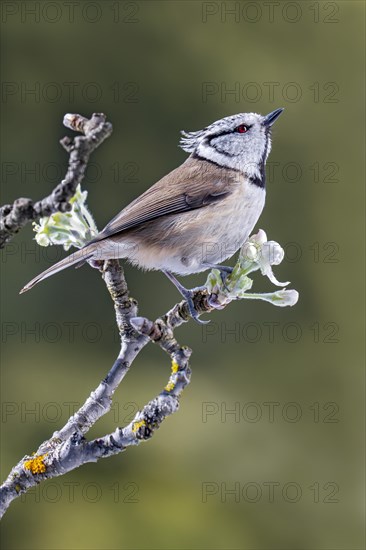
199 214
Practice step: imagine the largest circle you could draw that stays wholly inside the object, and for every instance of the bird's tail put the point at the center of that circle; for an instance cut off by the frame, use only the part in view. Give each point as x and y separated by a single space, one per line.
80 256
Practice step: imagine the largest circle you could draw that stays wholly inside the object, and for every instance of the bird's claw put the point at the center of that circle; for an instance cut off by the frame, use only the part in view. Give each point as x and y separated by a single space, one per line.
192 310
188 296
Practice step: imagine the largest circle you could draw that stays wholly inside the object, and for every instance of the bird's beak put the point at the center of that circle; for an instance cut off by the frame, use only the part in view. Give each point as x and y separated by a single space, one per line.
271 117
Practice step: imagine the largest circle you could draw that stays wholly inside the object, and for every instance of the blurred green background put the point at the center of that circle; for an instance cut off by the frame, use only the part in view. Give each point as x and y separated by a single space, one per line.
293 450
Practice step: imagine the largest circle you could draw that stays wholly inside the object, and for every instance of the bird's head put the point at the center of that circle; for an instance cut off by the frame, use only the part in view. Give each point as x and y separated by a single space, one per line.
241 142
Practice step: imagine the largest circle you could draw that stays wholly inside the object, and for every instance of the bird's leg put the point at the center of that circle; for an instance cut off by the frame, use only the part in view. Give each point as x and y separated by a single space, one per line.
187 295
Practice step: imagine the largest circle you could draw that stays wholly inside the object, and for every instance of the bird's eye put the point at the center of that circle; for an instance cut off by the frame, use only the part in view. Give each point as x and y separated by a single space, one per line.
242 129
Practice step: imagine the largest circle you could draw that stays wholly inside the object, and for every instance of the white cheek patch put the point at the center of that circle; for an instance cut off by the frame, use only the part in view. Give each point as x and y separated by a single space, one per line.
210 153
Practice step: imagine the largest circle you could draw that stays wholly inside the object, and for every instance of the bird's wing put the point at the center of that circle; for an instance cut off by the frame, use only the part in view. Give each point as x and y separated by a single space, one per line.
184 189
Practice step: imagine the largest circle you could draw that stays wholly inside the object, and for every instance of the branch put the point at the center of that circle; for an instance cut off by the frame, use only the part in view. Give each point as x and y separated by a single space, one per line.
68 448
15 216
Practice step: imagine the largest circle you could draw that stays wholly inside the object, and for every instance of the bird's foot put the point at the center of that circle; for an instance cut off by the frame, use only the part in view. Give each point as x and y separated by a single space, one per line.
188 295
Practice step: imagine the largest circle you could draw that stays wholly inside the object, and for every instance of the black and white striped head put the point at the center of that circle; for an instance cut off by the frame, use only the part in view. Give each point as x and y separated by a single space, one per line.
241 142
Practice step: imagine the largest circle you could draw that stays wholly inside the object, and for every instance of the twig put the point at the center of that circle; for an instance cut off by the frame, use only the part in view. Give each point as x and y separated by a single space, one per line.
15 216
68 449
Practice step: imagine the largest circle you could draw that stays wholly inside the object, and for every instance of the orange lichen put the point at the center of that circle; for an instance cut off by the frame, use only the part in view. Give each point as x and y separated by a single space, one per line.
36 465
137 425
170 386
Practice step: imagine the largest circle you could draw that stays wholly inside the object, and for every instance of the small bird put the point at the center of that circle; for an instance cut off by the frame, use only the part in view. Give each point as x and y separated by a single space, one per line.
198 215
